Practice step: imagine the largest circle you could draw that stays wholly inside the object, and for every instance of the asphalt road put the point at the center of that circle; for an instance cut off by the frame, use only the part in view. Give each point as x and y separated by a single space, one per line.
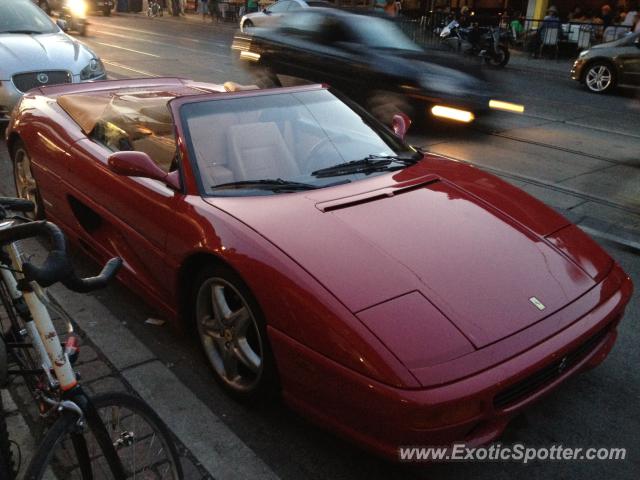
576 151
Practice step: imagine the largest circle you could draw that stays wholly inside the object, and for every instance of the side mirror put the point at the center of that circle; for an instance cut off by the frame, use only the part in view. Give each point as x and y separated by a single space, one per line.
139 164
266 11
400 124
63 25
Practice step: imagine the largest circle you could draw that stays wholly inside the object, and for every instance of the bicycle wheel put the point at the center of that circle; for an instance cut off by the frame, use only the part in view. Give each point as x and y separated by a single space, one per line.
141 439
6 457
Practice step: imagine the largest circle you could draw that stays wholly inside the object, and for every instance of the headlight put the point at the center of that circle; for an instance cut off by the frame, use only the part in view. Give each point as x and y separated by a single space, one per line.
583 53
93 70
78 8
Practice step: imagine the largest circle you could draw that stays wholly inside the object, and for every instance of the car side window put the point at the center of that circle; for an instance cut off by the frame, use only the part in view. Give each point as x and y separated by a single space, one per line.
302 24
334 31
279 7
294 6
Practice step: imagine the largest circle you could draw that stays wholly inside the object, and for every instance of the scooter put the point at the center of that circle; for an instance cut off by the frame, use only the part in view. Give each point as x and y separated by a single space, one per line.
490 43
74 14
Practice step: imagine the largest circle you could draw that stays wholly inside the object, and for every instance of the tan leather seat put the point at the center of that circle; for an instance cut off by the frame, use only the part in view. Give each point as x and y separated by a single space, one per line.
257 150
210 147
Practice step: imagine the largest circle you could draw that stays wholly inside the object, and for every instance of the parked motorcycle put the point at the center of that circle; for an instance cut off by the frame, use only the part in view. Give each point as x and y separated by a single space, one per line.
490 43
74 14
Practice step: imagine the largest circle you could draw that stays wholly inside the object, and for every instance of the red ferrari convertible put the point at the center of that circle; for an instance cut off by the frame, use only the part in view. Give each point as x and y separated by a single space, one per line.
396 297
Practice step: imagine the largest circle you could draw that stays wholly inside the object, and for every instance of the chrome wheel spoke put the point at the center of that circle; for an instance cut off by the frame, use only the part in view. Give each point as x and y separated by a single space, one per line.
245 354
230 364
211 326
219 303
240 321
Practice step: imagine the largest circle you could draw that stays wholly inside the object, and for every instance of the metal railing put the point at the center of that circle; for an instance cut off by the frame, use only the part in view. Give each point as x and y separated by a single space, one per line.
562 37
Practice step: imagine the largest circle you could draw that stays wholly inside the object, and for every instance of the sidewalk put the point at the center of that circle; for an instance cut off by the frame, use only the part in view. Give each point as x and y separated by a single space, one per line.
191 18
523 61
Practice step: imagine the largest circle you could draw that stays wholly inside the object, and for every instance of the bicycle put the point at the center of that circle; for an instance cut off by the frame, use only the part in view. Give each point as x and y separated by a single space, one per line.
115 435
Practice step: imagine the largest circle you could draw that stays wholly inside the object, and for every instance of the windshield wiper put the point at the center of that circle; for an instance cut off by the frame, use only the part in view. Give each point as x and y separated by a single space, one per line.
274 184
28 32
368 164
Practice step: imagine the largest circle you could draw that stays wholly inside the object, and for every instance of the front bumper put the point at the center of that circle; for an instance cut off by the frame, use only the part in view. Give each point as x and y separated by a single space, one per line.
383 418
577 69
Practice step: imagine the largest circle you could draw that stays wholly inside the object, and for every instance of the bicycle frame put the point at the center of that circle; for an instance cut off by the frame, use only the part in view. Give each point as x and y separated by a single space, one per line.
39 327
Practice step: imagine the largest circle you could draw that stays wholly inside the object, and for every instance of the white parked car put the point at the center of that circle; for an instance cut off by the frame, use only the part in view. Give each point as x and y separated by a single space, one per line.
270 16
34 52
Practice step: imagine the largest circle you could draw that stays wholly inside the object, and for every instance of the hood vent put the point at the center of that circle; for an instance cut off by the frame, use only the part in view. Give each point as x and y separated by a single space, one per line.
374 195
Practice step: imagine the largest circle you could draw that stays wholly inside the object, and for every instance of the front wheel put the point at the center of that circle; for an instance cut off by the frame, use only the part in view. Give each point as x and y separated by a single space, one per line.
107 11
247 24
141 439
26 185
233 335
599 78
500 58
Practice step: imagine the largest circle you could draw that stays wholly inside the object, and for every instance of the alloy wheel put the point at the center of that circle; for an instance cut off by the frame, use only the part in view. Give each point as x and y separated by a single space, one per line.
599 78
229 334
26 186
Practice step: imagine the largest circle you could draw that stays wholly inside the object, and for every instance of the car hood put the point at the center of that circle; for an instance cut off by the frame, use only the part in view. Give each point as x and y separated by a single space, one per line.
620 42
478 260
48 51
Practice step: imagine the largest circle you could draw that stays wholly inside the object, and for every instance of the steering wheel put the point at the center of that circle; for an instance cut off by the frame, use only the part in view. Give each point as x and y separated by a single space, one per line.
313 159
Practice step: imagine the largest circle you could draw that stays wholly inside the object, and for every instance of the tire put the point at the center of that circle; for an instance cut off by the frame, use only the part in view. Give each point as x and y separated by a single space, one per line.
233 335
106 12
4 363
247 24
501 59
82 31
57 453
600 77
24 181
7 468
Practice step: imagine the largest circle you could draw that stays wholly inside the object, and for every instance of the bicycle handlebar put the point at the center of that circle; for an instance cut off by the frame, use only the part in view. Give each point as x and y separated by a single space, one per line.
57 267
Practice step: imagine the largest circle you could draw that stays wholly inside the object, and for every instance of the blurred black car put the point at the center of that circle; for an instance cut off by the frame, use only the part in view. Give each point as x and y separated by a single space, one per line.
368 58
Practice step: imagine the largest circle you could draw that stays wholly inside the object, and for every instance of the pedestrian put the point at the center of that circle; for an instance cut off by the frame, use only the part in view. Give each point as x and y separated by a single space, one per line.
550 21
606 14
631 16
205 8
214 11
391 8
379 5
252 6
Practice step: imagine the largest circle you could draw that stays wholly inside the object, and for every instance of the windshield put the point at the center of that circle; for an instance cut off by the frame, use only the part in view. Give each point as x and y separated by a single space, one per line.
22 16
282 137
380 33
